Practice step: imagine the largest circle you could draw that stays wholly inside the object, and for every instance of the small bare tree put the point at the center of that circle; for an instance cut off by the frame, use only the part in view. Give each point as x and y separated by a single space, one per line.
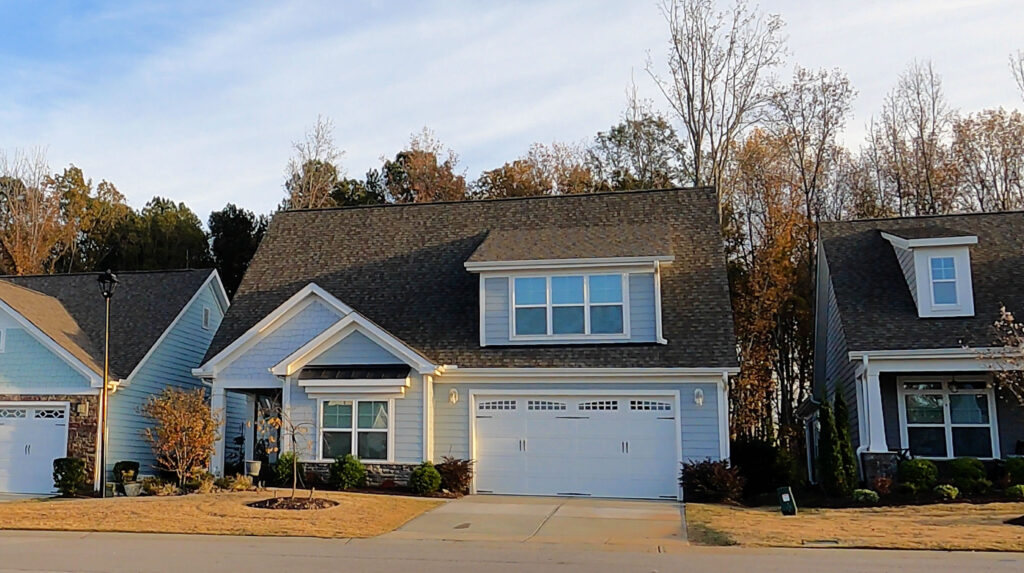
30 213
1017 68
314 169
1008 355
717 62
294 432
185 431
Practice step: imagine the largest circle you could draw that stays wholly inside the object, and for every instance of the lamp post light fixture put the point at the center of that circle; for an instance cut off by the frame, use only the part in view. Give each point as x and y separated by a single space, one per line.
107 283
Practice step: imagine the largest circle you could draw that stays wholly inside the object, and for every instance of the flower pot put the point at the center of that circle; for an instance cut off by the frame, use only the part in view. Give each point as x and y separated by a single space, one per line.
132 489
252 467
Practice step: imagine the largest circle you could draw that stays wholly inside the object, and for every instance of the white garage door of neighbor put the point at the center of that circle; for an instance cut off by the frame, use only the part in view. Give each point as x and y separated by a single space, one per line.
31 437
601 446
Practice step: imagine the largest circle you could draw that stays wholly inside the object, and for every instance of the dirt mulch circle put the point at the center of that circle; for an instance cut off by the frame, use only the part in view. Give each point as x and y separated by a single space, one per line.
1015 521
293 503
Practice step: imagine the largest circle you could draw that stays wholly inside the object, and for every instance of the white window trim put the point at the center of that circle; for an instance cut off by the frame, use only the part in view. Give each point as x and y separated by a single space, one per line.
955 280
926 307
549 305
3 340
207 317
354 429
948 425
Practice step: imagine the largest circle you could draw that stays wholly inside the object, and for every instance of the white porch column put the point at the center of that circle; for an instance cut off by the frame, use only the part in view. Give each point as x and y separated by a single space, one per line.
286 414
218 405
250 428
876 423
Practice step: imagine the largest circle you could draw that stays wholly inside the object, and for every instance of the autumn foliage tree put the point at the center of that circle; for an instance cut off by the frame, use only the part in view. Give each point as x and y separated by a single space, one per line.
30 213
185 429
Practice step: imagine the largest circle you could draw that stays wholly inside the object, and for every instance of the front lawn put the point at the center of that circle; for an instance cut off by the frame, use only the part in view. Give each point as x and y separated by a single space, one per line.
957 526
356 515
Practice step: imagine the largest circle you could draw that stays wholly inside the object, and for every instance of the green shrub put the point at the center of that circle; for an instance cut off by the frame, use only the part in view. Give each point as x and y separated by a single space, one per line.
424 479
283 469
865 497
126 471
224 483
1015 492
456 474
1015 468
919 474
158 487
199 482
830 456
68 475
711 481
763 465
347 472
846 453
946 492
969 475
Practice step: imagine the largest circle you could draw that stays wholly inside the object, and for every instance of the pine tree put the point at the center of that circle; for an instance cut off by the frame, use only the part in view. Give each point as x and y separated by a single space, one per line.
830 459
845 442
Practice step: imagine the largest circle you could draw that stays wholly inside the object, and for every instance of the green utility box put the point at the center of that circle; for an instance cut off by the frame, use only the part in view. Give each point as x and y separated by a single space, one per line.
787 503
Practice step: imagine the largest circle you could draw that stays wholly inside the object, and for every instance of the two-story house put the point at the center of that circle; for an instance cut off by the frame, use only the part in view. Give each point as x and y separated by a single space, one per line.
904 329
571 345
52 357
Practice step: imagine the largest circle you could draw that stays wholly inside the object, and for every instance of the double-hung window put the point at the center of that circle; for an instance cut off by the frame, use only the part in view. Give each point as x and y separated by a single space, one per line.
943 278
947 418
569 305
360 427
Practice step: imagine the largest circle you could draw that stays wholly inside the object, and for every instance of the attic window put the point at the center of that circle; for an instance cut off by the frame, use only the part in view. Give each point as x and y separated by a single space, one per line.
206 318
569 305
943 276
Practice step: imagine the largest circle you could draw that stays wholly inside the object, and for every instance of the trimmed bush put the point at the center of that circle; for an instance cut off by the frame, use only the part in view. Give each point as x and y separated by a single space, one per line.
846 452
425 479
126 471
68 475
711 481
921 475
1015 468
456 474
763 465
865 497
946 492
199 482
830 456
969 475
283 469
347 472
1015 492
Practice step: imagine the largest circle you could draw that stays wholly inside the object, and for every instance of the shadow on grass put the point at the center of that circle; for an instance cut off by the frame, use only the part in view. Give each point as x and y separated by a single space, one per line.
700 534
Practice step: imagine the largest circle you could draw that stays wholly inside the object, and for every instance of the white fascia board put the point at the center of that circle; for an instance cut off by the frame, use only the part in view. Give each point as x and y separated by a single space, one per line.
266 326
95 378
219 291
362 382
351 323
930 241
646 262
984 352
596 375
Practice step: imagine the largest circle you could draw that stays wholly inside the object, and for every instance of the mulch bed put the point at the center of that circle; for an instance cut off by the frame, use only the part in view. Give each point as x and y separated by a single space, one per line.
294 503
1016 521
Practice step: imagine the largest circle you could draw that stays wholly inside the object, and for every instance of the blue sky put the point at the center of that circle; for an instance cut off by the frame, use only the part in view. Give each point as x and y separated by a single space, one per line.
200 101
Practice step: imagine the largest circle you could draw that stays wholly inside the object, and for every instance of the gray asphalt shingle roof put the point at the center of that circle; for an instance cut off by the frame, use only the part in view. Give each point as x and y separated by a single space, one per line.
574 243
875 303
402 266
144 305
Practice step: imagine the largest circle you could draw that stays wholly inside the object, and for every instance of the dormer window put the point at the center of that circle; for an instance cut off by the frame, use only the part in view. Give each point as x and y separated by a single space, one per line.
943 272
569 305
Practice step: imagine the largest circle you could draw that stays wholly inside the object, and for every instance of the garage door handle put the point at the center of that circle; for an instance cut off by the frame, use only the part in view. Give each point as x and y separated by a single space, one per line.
524 445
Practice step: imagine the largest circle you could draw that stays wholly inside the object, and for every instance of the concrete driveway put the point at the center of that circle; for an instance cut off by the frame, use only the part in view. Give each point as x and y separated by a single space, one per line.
20 496
637 525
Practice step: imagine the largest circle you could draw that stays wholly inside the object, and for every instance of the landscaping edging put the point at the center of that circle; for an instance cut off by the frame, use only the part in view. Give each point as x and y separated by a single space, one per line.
382 476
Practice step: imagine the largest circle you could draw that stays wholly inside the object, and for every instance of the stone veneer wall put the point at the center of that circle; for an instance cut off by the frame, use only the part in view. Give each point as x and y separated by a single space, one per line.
81 427
317 474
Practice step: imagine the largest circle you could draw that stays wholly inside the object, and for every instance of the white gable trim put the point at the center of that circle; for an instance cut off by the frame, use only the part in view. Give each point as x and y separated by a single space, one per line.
930 242
543 264
222 300
95 379
339 331
271 322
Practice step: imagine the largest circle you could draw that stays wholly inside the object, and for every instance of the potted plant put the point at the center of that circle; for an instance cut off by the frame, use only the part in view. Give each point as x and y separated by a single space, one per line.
126 473
252 468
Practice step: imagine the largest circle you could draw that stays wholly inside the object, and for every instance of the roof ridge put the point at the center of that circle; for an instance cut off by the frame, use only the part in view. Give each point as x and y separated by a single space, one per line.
87 273
504 199
923 217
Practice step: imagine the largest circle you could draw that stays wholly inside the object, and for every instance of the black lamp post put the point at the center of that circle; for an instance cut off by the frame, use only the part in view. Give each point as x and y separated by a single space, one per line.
108 283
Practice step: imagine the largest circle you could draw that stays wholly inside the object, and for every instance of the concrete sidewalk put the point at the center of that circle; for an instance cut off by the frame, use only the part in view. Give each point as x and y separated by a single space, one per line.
636 525
21 496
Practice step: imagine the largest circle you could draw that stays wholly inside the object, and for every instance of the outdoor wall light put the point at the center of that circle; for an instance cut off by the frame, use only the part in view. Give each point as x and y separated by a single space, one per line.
453 396
698 397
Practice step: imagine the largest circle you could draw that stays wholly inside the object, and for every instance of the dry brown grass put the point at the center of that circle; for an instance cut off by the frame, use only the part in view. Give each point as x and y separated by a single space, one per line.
948 527
356 515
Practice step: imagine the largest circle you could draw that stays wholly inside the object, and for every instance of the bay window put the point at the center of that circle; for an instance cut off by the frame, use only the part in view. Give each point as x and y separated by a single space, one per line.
569 306
947 418
359 427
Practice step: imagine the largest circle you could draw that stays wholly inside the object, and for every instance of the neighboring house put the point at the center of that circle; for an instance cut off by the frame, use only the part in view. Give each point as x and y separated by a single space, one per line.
51 364
571 345
905 309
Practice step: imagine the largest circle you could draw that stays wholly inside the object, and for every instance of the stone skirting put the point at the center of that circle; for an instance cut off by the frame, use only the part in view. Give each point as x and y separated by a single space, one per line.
83 417
876 465
317 474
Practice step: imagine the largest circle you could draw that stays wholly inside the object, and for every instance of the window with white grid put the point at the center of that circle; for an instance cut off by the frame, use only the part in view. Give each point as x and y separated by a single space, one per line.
598 405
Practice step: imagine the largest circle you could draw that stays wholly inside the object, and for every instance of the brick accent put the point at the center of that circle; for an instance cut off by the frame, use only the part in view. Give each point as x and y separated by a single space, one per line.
81 427
384 476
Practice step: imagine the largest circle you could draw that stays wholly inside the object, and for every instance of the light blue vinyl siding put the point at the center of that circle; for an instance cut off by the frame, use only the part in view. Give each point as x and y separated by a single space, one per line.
355 348
497 309
28 367
700 426
170 365
407 421
252 367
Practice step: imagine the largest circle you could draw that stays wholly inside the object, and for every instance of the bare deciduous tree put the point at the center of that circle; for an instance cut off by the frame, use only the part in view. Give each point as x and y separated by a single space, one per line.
314 169
30 212
988 149
1017 68
717 61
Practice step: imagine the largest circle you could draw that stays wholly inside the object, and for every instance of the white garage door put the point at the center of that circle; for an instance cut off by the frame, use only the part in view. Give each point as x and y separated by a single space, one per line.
31 437
601 446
